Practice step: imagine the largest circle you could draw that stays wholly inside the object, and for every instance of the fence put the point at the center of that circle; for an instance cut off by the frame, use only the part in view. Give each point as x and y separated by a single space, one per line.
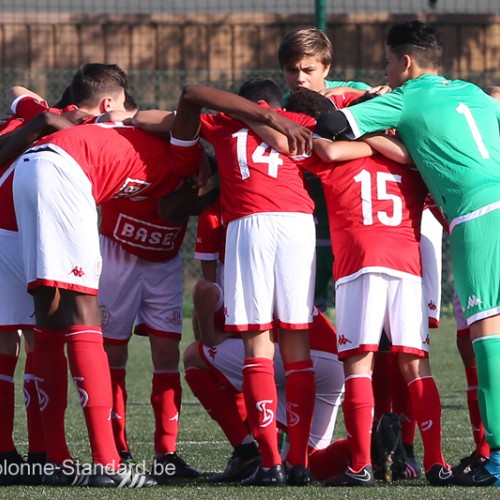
163 45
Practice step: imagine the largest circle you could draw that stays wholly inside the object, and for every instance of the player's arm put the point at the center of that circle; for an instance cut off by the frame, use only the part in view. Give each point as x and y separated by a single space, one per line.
389 146
196 97
19 91
43 124
329 151
154 120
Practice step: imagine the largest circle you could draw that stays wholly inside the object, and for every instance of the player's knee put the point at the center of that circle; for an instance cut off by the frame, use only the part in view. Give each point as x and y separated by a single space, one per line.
192 358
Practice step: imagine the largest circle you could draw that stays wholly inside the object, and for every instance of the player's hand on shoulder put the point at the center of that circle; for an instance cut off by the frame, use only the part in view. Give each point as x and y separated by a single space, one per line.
340 91
379 90
299 137
77 116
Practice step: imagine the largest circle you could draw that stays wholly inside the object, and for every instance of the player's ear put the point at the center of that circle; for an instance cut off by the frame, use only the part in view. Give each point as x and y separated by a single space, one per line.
406 62
326 70
105 105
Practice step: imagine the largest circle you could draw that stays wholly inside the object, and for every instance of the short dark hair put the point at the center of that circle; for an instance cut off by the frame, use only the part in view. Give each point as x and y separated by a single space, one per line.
262 89
309 102
418 40
130 102
93 80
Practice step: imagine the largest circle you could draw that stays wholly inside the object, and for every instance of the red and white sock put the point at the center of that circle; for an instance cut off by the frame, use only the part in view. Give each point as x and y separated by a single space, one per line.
220 402
482 447
166 399
261 400
330 461
119 413
358 416
426 406
51 371
7 404
89 367
36 441
300 397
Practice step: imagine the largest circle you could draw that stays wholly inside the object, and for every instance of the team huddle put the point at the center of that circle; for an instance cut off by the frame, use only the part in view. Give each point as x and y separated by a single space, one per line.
383 169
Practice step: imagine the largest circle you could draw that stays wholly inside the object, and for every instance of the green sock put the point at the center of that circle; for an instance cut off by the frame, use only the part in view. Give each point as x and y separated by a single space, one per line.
487 351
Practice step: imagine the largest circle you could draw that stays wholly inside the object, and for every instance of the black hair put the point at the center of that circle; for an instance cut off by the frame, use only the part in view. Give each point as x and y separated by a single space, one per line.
309 102
418 40
262 89
93 80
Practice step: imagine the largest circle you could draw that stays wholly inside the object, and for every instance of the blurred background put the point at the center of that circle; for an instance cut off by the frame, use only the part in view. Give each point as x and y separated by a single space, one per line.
164 44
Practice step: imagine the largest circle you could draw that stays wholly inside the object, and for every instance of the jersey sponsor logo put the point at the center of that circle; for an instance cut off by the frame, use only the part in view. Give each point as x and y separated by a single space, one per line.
175 318
212 352
426 425
432 306
142 234
78 272
343 340
131 187
82 393
267 413
292 417
473 301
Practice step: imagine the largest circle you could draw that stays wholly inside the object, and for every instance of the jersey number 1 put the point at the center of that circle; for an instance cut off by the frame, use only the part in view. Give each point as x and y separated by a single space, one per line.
463 109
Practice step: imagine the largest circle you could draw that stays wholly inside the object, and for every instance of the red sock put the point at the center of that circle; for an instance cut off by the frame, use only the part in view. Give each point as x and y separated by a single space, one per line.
220 403
358 417
482 447
51 371
166 399
426 407
119 414
330 461
402 406
7 368
36 442
381 382
90 371
300 397
261 400
242 409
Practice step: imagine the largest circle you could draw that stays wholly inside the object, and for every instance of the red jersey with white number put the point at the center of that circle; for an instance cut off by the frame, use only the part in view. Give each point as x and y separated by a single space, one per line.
123 161
210 235
7 213
374 210
139 229
254 178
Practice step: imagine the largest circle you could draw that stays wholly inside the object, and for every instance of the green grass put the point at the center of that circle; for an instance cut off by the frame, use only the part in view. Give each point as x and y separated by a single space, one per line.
202 444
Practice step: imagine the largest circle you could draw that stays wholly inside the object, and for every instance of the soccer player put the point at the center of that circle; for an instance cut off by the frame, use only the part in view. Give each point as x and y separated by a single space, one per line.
454 143
100 162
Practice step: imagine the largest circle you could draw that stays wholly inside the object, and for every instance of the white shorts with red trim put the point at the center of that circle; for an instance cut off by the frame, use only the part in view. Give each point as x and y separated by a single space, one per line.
227 359
57 219
17 310
141 292
374 302
269 271
431 244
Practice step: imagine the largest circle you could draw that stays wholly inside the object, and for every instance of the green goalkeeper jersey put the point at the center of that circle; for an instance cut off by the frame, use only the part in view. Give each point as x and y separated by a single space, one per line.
451 130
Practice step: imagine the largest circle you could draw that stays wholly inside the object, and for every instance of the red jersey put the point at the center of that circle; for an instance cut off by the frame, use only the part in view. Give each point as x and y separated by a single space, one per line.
7 213
27 107
374 210
210 235
123 161
254 178
344 100
139 229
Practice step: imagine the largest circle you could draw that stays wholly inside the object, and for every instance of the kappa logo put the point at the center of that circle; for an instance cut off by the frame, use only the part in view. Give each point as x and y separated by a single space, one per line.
267 413
175 317
77 271
426 425
427 340
175 418
432 306
292 417
473 301
114 416
343 340
212 352
82 393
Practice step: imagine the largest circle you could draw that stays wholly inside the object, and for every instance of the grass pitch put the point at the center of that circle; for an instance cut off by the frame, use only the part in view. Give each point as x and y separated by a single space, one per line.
202 444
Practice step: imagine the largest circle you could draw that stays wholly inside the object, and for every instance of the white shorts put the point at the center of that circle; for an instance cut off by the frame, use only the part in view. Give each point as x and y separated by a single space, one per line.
374 302
57 219
134 290
17 310
431 244
227 358
269 271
